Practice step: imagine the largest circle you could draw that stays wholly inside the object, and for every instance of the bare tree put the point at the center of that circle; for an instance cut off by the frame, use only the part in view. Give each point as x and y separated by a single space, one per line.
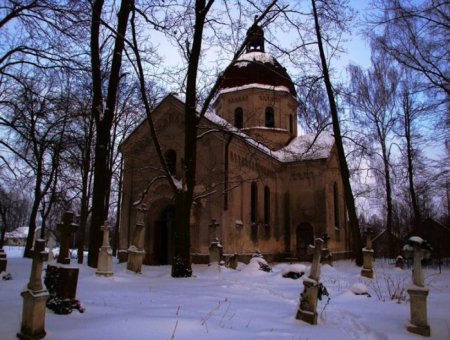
417 35
103 114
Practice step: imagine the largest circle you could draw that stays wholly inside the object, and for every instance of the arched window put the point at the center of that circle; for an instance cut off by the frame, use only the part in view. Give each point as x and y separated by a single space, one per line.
336 205
170 156
239 118
270 117
267 211
254 211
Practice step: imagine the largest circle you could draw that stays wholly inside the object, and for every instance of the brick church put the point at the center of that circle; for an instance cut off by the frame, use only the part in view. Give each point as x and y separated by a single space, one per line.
265 186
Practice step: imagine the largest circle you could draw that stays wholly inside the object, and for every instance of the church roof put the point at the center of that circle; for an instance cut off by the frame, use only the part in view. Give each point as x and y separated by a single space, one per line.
300 148
256 69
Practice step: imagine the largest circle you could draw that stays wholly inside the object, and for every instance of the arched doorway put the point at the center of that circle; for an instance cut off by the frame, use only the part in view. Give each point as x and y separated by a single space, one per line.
163 231
305 237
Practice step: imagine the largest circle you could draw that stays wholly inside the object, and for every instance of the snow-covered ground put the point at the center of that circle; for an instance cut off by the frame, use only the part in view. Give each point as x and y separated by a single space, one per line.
228 304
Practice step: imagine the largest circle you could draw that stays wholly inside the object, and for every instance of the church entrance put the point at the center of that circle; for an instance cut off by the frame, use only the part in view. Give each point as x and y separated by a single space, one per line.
305 237
163 231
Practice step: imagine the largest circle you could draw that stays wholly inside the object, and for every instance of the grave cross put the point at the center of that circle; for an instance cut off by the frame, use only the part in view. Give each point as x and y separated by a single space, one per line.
417 273
39 256
65 228
316 250
141 211
106 229
213 227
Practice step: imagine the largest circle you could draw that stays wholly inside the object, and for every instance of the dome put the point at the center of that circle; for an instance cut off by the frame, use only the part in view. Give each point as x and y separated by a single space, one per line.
254 69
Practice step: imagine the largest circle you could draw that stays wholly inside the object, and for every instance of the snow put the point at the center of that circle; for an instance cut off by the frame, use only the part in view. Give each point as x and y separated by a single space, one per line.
359 289
252 86
416 239
220 303
261 57
21 232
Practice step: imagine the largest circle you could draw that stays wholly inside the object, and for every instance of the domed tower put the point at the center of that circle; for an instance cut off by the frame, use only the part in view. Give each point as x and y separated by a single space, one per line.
258 96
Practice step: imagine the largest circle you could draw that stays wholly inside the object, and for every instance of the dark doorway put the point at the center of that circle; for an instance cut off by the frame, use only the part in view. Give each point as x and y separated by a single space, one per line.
163 229
305 237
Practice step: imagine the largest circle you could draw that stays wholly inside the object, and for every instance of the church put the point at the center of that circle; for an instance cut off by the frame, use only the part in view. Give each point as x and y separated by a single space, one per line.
260 185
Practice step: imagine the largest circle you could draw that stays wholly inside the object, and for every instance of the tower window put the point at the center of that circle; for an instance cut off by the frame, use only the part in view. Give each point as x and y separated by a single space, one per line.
239 118
170 156
270 117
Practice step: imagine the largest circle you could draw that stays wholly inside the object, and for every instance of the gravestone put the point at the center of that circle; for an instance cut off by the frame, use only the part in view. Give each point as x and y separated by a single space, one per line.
104 264
215 251
326 257
213 229
61 278
307 310
233 261
367 269
136 250
418 249
34 297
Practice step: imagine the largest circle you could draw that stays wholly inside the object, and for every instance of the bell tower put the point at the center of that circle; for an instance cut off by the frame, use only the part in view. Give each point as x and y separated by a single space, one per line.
257 95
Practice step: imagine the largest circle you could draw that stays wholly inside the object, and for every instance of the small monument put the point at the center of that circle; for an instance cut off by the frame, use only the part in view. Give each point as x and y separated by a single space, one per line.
215 251
327 257
213 229
367 269
418 249
399 262
233 261
34 297
136 251
307 310
61 279
104 264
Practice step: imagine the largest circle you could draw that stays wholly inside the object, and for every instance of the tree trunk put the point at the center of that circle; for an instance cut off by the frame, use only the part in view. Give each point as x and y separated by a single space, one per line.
34 212
349 199
103 120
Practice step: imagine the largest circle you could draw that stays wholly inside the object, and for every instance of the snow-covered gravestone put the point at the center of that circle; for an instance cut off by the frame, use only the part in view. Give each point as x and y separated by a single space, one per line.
104 265
215 251
34 297
307 310
136 251
367 269
418 249
61 278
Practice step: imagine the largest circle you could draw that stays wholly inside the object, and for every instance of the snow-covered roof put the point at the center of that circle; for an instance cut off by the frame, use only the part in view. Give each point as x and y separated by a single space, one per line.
21 232
305 147
262 57
280 88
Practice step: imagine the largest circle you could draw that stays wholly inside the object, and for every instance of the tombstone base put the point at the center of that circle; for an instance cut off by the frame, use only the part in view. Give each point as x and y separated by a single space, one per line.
418 306
367 273
135 258
33 314
104 265
307 311
61 282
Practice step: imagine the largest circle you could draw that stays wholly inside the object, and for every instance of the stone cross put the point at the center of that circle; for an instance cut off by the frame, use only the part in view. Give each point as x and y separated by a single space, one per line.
138 239
106 229
213 227
316 250
39 256
65 228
